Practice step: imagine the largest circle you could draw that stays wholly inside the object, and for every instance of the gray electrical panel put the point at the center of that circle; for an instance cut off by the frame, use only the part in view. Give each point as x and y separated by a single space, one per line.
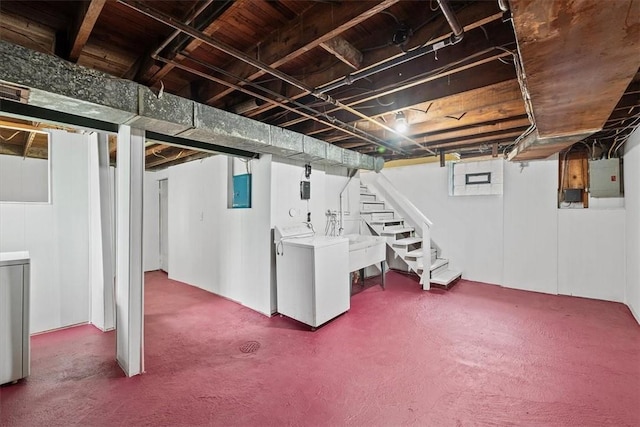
604 178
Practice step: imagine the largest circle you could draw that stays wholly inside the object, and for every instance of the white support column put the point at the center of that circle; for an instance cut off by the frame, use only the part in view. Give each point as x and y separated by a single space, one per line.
102 234
129 271
425 277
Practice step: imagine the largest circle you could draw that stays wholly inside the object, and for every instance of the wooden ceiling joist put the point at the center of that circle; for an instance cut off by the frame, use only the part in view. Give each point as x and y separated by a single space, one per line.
344 51
474 16
28 143
87 17
316 25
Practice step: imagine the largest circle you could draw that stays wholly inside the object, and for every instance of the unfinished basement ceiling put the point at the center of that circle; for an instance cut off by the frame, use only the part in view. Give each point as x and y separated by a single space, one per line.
457 95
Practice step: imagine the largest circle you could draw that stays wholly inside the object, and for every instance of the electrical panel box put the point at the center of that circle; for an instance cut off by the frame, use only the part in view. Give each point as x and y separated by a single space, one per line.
305 190
604 178
242 191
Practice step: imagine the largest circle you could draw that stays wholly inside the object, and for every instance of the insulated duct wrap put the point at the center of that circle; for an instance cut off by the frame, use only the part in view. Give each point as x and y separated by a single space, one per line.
64 87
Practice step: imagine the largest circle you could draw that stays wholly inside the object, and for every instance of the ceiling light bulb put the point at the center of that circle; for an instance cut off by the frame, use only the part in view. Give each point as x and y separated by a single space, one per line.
401 122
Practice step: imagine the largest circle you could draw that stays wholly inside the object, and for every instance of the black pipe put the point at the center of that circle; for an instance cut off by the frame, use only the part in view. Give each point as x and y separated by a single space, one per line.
456 36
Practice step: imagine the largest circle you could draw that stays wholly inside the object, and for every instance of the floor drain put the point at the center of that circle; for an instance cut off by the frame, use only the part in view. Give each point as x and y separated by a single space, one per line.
250 347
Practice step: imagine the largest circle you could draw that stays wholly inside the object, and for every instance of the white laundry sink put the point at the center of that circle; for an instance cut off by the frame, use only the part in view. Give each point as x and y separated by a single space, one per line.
365 251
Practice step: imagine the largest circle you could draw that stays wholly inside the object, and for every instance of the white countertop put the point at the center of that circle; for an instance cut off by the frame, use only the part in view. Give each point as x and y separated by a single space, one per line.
12 258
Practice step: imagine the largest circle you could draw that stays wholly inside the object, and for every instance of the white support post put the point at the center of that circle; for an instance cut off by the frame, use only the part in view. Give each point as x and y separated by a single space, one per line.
102 235
425 277
129 271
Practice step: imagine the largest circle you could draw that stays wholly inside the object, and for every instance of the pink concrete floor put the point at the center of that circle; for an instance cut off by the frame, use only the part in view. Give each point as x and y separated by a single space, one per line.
475 355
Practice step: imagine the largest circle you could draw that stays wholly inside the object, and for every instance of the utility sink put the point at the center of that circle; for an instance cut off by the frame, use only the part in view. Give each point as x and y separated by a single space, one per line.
365 251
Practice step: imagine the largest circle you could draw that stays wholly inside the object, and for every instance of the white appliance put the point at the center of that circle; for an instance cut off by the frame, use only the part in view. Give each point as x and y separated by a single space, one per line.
14 316
312 274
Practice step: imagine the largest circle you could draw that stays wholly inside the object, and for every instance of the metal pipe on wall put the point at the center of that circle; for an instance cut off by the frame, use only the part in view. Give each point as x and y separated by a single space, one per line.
172 22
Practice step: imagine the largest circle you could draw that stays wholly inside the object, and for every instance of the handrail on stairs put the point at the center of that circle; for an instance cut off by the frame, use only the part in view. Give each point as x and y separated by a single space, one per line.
406 208
390 192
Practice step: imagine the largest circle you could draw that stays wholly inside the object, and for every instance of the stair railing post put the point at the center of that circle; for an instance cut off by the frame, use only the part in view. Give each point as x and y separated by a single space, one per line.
425 277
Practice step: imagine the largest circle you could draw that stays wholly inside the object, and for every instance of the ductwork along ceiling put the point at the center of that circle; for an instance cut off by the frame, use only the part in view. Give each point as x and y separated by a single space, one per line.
329 81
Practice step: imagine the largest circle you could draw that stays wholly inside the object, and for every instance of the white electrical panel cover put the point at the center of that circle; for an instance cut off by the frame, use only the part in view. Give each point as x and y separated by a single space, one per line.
604 178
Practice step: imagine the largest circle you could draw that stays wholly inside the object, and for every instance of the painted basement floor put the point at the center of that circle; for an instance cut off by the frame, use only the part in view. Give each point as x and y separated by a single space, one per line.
475 355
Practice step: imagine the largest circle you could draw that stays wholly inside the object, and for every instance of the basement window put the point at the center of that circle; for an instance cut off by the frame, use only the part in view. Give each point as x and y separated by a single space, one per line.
480 178
24 165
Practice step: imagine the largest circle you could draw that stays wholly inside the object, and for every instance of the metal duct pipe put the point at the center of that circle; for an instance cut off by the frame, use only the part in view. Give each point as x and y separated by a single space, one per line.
502 4
170 21
330 121
458 32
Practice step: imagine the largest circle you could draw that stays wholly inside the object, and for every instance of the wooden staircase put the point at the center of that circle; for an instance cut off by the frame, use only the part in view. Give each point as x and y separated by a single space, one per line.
406 245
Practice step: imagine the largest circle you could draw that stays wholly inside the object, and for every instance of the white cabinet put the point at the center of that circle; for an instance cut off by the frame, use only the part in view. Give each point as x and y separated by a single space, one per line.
14 316
313 278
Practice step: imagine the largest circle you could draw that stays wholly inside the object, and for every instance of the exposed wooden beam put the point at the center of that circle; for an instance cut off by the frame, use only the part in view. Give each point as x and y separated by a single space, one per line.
344 51
476 141
113 145
28 143
155 149
213 27
22 126
486 97
87 17
196 155
518 123
182 156
474 16
318 24
594 47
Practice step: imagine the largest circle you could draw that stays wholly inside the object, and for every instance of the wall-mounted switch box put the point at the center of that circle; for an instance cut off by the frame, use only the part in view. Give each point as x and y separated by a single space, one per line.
573 195
305 190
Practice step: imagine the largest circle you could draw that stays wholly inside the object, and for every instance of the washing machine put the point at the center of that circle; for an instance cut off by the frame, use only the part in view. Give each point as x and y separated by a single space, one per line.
312 274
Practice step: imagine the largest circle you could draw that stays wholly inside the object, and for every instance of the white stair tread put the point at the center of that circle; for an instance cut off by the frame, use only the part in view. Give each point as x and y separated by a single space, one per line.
386 221
393 232
366 193
368 211
439 262
416 253
445 277
407 241
372 202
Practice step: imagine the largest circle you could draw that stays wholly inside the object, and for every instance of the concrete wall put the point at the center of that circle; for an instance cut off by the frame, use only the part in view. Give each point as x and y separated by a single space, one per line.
57 237
632 202
520 239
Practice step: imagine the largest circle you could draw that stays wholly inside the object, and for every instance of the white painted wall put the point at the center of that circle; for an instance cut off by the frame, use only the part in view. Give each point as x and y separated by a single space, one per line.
531 226
56 236
591 253
632 211
521 240
464 226
24 179
225 251
151 220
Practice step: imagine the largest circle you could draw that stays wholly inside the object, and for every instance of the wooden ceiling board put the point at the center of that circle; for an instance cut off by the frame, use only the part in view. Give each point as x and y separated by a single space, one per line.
26 32
115 61
578 56
129 28
57 14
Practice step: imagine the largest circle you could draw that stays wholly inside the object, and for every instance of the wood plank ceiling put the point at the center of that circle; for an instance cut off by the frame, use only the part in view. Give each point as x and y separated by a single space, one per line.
464 98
